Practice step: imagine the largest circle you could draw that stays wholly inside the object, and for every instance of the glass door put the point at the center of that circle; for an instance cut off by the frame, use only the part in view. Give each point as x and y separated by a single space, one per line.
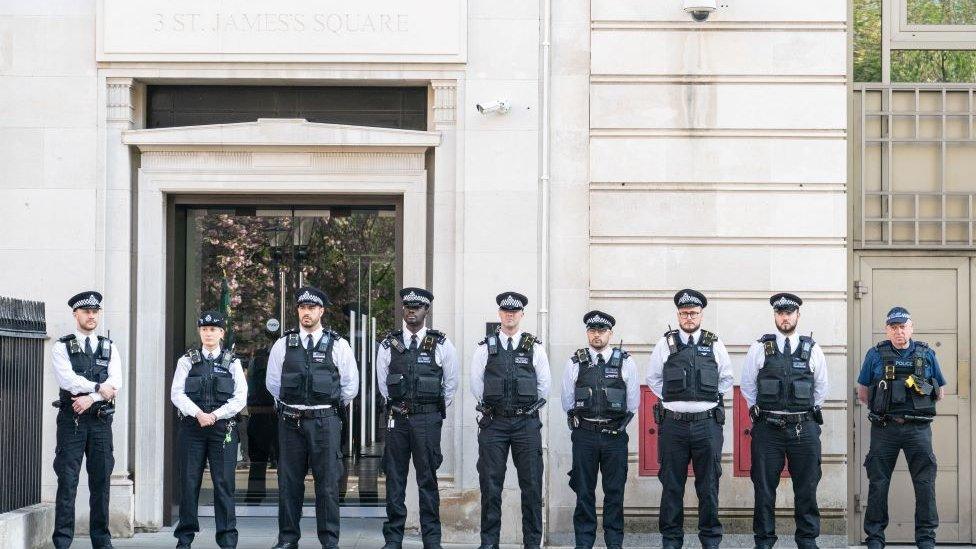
248 262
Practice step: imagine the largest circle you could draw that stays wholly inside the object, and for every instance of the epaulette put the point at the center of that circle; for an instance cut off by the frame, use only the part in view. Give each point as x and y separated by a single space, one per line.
389 337
769 344
67 338
882 344
527 341
194 356
624 355
922 344
441 336
395 340
71 344
708 338
581 356
431 339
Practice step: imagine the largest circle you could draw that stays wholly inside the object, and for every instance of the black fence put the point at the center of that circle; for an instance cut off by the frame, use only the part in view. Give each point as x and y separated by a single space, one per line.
22 333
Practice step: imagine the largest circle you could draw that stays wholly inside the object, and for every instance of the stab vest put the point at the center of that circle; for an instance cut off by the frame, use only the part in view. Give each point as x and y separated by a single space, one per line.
894 397
785 383
600 392
209 383
309 376
414 376
690 372
510 379
92 367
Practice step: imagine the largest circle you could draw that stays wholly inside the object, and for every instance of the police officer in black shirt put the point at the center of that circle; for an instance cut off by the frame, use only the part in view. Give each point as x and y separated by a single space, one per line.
689 372
784 382
510 379
417 372
600 396
88 368
209 389
900 382
311 373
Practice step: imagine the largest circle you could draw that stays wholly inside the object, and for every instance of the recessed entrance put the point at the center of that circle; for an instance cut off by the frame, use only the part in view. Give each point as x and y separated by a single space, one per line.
247 261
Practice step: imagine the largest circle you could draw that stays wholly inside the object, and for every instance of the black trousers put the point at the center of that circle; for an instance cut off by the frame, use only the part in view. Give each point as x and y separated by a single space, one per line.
91 438
605 454
315 443
200 446
417 435
915 439
698 443
521 434
770 447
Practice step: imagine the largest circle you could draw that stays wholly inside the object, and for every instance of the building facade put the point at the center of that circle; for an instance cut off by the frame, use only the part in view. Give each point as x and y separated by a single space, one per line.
641 152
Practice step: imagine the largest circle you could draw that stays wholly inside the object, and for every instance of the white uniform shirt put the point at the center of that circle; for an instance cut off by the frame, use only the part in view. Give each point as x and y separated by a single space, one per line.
655 373
540 361
445 355
77 384
342 357
756 357
628 371
187 407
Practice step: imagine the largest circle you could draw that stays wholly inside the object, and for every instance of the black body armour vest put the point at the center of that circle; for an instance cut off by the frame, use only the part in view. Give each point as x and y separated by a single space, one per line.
510 379
310 377
92 367
785 383
209 383
902 400
601 392
690 373
414 377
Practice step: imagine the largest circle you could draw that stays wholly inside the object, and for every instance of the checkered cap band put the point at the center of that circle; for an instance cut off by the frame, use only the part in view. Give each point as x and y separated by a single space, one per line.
90 301
785 303
414 297
688 299
309 297
511 301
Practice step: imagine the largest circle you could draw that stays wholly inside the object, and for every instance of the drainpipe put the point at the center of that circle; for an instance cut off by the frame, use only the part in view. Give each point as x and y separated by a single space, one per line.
545 91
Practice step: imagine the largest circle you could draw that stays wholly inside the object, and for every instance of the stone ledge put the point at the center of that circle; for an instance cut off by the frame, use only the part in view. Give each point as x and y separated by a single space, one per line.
28 527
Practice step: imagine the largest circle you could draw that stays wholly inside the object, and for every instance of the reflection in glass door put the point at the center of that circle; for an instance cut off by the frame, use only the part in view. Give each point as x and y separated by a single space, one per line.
248 262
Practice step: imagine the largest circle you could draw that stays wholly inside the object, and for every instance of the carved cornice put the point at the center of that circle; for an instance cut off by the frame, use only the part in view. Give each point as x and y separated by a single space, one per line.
445 103
119 108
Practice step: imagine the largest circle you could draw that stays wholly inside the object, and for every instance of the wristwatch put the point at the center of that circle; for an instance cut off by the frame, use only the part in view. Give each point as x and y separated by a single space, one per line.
97 386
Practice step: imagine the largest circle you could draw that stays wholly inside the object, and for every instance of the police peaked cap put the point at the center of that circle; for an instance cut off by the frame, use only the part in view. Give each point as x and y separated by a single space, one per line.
511 301
785 301
898 315
416 297
211 318
690 298
311 295
599 319
86 300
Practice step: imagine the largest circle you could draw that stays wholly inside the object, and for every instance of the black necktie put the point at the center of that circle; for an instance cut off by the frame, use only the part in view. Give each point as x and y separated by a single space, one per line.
787 350
413 343
509 344
691 340
599 360
308 344
88 347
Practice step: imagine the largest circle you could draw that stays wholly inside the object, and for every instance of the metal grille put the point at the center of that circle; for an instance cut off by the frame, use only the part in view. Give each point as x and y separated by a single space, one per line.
22 333
914 161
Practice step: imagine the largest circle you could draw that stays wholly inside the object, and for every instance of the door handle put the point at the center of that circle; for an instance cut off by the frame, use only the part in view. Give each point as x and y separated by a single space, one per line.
962 379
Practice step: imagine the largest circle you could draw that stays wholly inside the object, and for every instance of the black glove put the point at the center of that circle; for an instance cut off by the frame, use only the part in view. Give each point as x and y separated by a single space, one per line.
754 413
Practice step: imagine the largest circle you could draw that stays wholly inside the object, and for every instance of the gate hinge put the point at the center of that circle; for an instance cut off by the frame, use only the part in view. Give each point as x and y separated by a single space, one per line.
860 289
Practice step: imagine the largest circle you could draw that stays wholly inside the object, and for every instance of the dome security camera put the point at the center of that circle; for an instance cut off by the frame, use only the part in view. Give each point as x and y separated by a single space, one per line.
700 9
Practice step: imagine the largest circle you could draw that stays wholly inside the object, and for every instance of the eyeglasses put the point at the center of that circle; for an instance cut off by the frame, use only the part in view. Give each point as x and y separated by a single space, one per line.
689 314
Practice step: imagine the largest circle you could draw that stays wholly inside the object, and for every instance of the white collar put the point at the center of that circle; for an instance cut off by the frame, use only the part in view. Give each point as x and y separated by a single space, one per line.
316 335
685 335
407 333
81 338
781 341
210 353
503 338
605 353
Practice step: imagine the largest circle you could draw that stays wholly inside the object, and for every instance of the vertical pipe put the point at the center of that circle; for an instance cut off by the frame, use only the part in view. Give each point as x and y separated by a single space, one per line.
362 383
372 384
546 85
352 344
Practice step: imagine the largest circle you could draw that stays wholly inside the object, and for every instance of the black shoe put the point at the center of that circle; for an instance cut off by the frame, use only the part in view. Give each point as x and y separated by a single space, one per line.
487 546
392 545
875 545
286 545
182 546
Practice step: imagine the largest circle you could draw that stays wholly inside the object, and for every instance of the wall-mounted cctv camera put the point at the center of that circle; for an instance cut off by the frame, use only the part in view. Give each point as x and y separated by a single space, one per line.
700 9
501 106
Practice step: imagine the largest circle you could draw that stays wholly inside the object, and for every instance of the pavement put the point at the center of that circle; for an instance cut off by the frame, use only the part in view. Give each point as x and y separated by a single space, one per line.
261 533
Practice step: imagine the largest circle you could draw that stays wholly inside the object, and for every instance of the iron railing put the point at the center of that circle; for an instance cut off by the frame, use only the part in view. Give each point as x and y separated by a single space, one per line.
22 332
914 160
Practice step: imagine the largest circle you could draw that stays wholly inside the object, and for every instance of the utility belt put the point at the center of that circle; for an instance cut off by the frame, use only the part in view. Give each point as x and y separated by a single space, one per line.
290 413
717 413
882 420
783 419
406 408
490 412
609 427
513 412
101 409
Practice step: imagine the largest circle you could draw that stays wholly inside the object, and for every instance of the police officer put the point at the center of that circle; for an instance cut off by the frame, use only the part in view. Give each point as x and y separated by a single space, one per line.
311 373
209 389
600 396
900 381
417 372
689 372
510 379
88 368
784 382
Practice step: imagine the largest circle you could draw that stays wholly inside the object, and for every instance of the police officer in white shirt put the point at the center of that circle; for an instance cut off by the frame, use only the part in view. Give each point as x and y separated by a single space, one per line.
417 373
88 369
209 389
784 382
311 373
600 395
689 372
510 379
